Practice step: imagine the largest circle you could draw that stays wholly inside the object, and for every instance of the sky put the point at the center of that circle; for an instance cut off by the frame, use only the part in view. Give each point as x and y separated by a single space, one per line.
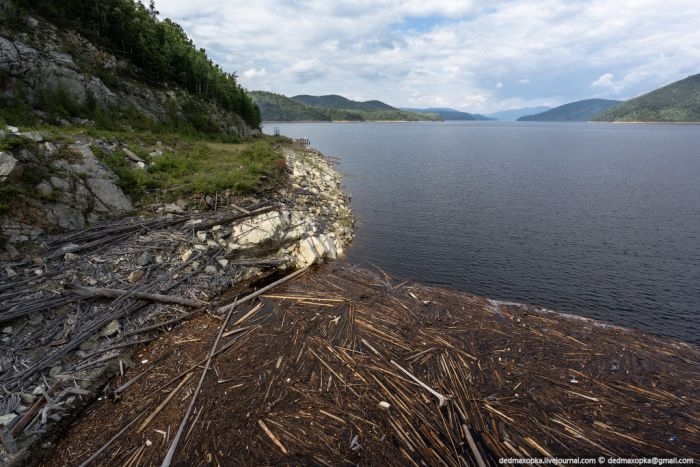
475 56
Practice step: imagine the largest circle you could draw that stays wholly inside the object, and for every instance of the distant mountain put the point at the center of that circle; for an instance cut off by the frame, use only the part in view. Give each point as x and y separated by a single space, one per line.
276 107
579 111
514 114
450 114
676 102
334 101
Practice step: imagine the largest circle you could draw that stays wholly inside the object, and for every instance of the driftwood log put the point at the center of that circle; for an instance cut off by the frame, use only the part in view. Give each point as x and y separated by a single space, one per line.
102 292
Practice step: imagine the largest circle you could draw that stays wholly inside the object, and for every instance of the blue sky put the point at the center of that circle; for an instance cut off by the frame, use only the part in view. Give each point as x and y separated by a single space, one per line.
476 56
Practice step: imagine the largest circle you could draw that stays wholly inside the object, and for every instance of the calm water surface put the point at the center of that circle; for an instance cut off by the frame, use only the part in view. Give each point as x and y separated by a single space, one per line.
596 219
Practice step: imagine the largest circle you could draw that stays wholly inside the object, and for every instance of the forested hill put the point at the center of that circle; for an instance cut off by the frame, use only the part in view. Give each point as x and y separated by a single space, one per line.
276 107
579 111
144 50
451 114
334 101
676 102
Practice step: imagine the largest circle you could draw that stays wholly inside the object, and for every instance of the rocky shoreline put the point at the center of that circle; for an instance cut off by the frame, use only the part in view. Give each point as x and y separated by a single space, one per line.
61 340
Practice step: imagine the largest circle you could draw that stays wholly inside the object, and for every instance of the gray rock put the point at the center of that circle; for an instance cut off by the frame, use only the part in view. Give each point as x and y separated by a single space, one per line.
55 371
186 255
144 259
131 155
47 149
89 345
7 418
60 184
10 272
12 251
173 209
44 189
7 330
8 58
110 195
210 269
135 276
7 165
69 257
111 328
64 216
27 398
33 136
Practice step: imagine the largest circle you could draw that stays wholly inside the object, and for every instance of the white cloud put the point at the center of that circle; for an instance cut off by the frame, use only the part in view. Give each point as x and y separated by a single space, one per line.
252 73
499 85
604 81
411 51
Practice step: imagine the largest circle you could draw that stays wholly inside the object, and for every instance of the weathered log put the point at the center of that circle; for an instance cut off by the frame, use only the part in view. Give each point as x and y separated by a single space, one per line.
102 292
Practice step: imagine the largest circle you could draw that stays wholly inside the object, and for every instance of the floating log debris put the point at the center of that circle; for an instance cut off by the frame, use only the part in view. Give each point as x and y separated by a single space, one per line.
344 366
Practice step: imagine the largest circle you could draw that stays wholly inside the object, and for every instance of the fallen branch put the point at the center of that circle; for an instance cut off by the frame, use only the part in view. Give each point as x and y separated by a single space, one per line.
173 446
296 273
442 399
272 436
34 410
101 292
162 405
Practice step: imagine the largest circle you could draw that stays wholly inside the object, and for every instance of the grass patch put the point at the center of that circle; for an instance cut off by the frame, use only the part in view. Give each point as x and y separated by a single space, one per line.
190 166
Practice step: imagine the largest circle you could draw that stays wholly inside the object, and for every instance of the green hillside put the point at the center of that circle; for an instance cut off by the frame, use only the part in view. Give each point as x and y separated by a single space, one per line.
579 111
158 52
334 101
676 102
276 107
450 114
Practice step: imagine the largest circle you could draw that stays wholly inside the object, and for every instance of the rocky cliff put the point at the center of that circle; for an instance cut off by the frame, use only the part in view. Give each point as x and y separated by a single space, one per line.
56 76
52 186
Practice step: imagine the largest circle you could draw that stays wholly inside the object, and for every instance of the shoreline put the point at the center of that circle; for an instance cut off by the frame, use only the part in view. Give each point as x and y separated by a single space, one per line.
409 372
405 323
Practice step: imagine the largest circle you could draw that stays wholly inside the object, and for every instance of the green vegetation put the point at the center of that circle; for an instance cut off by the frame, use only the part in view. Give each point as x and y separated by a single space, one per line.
451 114
579 111
677 102
162 53
194 166
334 101
276 107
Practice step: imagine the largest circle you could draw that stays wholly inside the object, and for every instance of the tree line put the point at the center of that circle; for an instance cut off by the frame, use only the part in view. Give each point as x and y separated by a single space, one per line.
160 49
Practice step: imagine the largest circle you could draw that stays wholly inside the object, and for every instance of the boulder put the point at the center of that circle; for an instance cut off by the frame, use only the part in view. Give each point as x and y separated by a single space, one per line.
8 165
260 229
109 195
131 155
44 189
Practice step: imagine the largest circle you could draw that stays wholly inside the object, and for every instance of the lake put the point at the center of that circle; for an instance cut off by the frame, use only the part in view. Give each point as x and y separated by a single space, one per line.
600 220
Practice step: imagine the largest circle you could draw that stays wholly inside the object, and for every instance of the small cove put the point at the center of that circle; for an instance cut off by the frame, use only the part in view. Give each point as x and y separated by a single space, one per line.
594 219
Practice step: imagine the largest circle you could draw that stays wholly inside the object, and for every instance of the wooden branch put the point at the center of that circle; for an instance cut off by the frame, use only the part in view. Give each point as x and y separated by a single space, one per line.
87 461
102 292
31 413
158 325
441 398
272 436
162 405
296 273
